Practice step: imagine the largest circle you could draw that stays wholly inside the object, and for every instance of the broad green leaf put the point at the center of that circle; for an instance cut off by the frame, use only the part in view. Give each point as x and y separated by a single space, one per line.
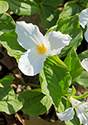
23 7
6 23
57 61
74 65
70 26
49 12
9 101
3 6
36 103
72 8
52 2
49 15
6 81
83 79
55 81
9 41
83 55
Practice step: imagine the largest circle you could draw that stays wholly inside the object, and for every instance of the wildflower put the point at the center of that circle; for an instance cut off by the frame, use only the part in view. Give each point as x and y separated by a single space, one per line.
37 46
83 19
81 111
84 64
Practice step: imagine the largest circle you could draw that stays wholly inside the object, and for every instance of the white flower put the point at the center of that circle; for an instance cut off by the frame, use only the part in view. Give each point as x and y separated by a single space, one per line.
80 107
37 46
84 64
83 19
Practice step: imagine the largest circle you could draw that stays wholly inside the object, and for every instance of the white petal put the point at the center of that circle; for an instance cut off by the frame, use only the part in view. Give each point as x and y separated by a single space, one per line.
84 64
86 34
57 42
67 115
31 62
83 18
81 108
28 34
83 118
74 102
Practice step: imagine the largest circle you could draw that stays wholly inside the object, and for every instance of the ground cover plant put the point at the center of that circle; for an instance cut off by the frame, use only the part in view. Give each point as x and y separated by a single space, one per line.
53 56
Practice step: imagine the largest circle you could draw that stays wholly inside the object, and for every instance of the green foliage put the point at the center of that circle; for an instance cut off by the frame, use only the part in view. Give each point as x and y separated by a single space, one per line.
48 11
35 103
23 7
55 81
70 26
3 6
74 65
9 101
54 59
7 24
56 76
72 8
8 37
83 55
83 79
9 41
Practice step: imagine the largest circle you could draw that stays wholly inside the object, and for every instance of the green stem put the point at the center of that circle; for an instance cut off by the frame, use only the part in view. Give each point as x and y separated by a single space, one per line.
80 97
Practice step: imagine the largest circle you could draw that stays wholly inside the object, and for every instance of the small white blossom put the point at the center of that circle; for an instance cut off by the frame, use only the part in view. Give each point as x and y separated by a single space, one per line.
81 111
83 19
37 46
84 64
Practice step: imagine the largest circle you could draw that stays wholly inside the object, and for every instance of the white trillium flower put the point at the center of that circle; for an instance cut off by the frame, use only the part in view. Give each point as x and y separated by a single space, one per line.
84 64
81 111
38 46
83 19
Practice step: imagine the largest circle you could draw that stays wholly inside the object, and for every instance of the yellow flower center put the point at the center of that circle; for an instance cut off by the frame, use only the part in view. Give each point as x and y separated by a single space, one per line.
75 107
42 49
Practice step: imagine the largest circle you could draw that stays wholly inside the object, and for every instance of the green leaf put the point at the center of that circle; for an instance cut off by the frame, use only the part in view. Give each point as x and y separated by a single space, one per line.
36 103
49 15
9 101
57 61
6 23
9 41
74 65
52 2
83 79
55 81
23 7
72 8
3 6
70 26
83 55
6 81
49 12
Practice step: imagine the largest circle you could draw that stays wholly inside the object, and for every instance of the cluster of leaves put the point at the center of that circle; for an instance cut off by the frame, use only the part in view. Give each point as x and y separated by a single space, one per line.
56 76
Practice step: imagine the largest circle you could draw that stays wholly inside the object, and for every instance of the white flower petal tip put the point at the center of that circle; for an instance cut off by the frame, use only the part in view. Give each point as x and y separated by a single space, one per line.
84 64
57 41
67 115
37 46
83 18
31 63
